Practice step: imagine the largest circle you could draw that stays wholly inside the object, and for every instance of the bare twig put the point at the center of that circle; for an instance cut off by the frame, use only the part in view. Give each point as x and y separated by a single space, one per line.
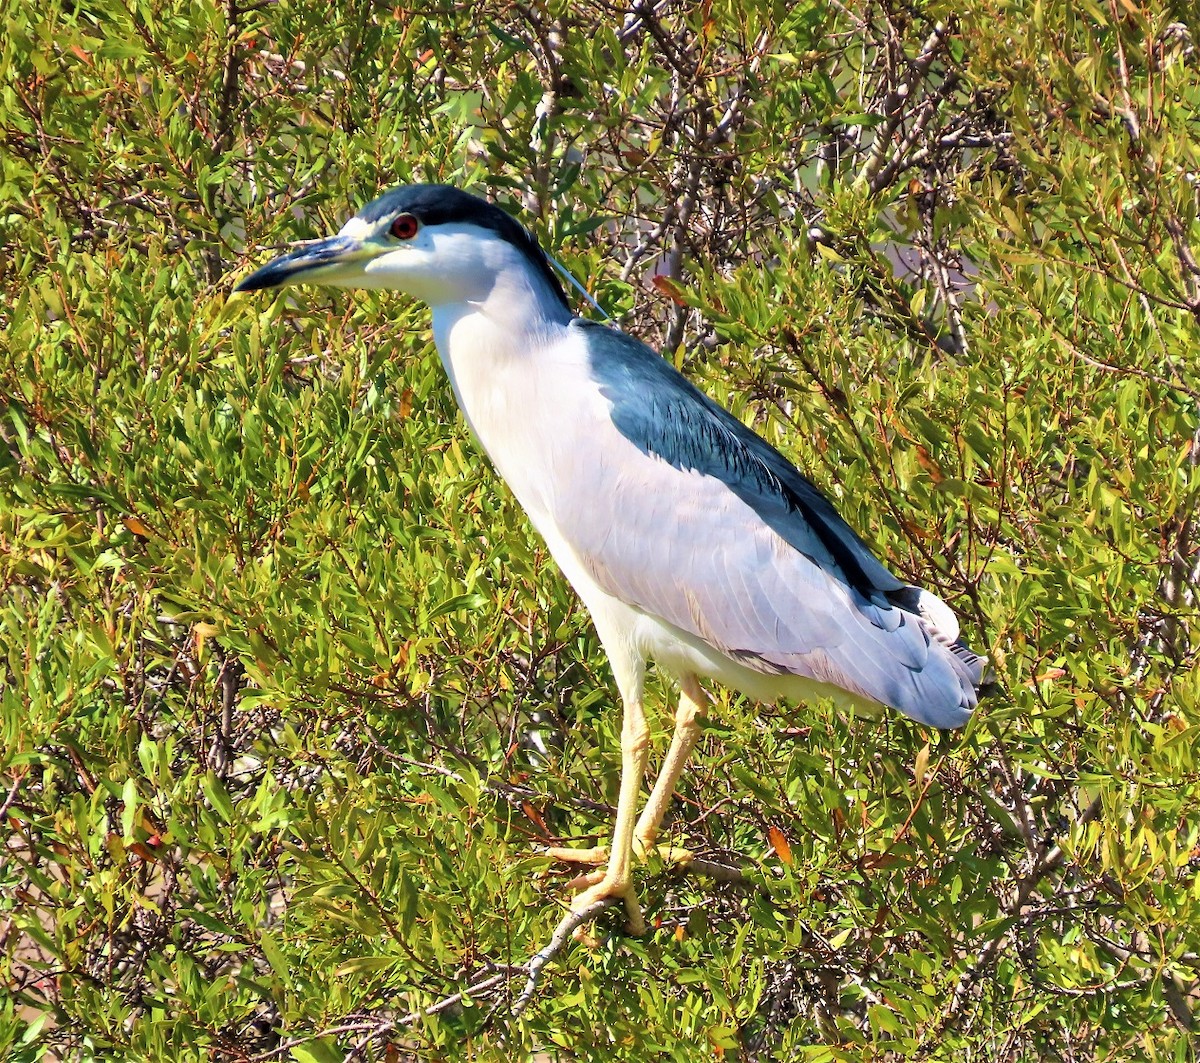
375 1029
11 798
558 941
981 963
893 106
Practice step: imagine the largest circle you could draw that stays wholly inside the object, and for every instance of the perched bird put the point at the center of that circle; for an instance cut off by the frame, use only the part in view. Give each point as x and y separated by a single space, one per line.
691 540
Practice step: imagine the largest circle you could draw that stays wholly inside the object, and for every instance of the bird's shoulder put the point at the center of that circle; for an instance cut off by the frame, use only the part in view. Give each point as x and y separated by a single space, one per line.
662 413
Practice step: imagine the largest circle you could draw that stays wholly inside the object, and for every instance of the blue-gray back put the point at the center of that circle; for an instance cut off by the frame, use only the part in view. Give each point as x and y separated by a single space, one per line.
658 409
712 530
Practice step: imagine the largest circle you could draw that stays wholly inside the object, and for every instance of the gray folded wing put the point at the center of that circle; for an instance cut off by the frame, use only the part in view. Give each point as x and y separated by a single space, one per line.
694 519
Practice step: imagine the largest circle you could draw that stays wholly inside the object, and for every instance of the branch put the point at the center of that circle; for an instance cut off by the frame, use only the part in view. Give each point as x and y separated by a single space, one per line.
558 941
229 77
493 982
15 789
1052 858
893 104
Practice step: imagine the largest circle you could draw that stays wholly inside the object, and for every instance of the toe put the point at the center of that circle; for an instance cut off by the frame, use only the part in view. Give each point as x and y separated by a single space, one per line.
588 878
569 855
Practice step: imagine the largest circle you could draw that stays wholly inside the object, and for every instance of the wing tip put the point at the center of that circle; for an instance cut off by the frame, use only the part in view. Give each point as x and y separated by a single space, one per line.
977 678
937 616
951 700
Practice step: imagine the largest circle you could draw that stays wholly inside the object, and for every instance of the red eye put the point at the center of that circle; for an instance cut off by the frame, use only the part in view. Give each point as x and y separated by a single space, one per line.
404 227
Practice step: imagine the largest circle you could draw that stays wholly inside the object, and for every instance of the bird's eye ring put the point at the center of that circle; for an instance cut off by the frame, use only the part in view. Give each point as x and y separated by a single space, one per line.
403 227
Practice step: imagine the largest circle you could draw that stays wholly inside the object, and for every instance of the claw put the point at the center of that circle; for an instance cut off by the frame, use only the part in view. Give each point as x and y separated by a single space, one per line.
668 854
585 879
600 883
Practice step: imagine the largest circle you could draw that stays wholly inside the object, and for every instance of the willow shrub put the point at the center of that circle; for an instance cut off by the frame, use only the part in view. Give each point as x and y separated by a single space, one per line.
291 693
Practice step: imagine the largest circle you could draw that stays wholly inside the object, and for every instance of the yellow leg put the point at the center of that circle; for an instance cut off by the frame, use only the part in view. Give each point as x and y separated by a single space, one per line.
683 741
569 855
617 880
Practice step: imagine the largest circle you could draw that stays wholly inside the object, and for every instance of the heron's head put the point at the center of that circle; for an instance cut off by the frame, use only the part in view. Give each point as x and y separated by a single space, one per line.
434 242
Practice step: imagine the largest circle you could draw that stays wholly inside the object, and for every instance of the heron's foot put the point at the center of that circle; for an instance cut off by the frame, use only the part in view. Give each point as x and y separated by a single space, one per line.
601 885
568 854
668 854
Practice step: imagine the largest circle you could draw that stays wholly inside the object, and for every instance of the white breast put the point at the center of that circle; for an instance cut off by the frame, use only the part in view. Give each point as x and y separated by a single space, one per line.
525 401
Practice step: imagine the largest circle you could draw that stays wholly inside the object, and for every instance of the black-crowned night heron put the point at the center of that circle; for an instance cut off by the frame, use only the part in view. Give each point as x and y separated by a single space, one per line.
691 540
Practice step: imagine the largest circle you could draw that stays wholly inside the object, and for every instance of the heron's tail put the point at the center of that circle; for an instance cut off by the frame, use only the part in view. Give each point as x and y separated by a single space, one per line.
939 620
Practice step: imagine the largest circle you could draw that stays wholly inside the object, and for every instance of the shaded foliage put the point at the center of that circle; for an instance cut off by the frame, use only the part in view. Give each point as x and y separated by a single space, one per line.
290 692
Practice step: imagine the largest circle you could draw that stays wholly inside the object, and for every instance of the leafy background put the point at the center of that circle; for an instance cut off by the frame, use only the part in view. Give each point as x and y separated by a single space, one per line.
290 691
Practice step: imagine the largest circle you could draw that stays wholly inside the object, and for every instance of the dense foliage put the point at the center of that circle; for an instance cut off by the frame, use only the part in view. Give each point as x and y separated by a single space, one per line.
290 692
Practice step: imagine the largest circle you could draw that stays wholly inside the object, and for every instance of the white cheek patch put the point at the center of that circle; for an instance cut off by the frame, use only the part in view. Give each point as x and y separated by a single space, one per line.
378 264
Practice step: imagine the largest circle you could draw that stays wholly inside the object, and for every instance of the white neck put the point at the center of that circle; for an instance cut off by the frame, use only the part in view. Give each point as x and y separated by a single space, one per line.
508 317
516 309
491 346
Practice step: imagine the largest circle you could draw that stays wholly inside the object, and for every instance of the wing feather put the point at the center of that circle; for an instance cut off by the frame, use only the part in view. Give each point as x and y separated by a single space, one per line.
710 529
